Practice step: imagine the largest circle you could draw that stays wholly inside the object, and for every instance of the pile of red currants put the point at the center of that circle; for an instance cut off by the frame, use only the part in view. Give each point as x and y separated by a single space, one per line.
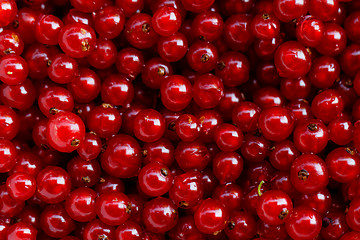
180 119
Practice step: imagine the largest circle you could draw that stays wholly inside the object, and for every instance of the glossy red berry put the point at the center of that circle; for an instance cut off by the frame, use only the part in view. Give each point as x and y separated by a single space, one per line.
303 223
160 215
129 230
80 205
187 127
149 125
14 69
207 26
343 164
113 208
287 11
334 40
246 115
8 153
192 155
139 31
283 154
310 136
47 29
90 147
186 228
208 90
104 120
309 31
237 32
211 216
97 229
109 22
227 166
83 173
187 189
53 184
155 179
202 56
9 123
54 100
228 137
176 92
21 186
265 26
323 10
117 90
241 225
172 48
309 174
87 6
122 157
20 96
8 12
276 123
319 201
62 68
21 230
327 105
274 206
166 21
77 40
55 222
292 60
65 131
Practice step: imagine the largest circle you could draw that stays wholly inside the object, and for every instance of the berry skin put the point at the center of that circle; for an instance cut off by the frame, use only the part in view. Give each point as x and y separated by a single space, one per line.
113 208
292 60
187 189
160 215
273 207
353 214
50 224
241 225
122 157
310 136
227 166
208 90
21 186
80 205
21 230
166 21
327 105
53 184
176 92
155 179
149 125
211 216
8 12
287 11
276 123
308 174
303 223
13 69
65 131
343 164
228 137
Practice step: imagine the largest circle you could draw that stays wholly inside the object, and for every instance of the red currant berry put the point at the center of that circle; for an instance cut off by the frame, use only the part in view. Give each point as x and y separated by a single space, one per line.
292 60
122 157
21 186
310 136
80 205
166 21
77 40
160 215
274 206
276 123
149 125
303 223
308 174
176 92
109 22
13 69
211 216
155 179
113 208
55 222
65 131
53 184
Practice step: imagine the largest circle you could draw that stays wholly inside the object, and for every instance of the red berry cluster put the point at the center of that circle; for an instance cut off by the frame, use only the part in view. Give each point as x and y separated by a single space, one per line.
179 119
